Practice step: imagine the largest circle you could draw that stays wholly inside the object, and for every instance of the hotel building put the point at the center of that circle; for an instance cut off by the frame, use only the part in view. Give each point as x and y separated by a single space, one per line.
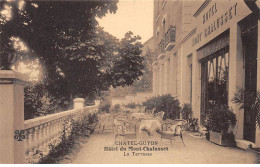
206 51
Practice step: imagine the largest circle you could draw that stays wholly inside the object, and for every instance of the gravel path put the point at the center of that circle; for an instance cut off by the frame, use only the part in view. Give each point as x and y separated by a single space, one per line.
196 151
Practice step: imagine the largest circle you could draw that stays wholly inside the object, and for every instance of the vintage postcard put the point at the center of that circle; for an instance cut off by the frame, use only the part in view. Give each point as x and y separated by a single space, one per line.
129 82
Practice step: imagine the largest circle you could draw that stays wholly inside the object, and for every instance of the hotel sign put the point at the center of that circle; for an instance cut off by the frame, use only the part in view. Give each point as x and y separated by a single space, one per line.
211 24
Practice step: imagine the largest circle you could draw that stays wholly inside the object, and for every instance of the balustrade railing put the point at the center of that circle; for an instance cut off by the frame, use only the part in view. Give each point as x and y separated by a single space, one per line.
42 131
160 49
167 42
170 35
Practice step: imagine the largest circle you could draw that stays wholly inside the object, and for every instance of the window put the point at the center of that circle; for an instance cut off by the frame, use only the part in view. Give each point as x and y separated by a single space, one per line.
215 80
157 32
164 26
163 3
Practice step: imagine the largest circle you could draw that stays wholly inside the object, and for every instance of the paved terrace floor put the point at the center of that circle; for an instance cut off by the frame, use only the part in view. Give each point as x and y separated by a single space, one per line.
197 151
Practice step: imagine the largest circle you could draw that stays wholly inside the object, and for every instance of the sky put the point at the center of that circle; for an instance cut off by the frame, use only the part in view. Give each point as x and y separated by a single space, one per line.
131 15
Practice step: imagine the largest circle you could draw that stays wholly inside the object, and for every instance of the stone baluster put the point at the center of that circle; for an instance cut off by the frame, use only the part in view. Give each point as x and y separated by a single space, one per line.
32 139
49 132
57 129
45 134
59 126
41 136
27 143
52 131
37 137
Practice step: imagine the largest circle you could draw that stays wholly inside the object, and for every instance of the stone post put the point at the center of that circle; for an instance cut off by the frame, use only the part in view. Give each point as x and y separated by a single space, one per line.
97 102
11 117
78 103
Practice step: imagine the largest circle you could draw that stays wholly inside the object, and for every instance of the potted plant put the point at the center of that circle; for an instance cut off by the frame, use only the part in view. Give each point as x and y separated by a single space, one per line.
249 100
219 120
206 129
186 113
193 124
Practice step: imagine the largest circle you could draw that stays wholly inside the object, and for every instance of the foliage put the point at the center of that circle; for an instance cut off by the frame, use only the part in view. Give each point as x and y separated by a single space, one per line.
186 111
165 103
129 64
194 123
37 102
73 130
144 83
116 108
131 105
78 58
250 101
220 118
105 105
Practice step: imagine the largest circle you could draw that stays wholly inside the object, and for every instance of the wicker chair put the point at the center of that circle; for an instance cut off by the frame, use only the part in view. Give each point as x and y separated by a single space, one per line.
173 129
127 130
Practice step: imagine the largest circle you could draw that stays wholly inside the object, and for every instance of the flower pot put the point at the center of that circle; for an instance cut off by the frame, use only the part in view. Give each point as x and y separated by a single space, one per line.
223 139
191 128
207 136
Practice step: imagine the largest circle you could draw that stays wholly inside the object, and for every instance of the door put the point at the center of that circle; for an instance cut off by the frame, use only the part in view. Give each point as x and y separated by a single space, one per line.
250 57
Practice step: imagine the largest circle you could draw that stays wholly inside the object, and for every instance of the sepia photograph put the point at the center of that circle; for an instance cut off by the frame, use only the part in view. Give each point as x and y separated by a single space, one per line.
129 82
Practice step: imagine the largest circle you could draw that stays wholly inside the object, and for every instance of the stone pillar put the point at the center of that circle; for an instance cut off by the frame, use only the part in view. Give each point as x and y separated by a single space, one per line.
196 86
78 103
171 75
97 102
165 71
160 79
11 117
257 137
236 76
168 77
154 80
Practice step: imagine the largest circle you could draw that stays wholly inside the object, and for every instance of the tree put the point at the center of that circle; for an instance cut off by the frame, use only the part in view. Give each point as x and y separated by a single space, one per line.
145 81
79 59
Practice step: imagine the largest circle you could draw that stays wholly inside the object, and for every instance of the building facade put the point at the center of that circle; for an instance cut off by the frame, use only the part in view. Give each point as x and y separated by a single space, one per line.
206 51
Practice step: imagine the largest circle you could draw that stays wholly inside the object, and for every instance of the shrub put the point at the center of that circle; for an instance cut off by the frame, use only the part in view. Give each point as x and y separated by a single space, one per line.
249 101
105 105
116 108
131 105
165 103
74 129
220 118
193 124
186 111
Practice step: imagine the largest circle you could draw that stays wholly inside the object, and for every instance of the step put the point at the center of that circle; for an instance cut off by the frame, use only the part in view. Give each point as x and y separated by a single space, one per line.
244 144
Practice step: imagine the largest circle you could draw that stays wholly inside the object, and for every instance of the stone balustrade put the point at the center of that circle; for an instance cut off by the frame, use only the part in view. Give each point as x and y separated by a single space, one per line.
42 131
21 140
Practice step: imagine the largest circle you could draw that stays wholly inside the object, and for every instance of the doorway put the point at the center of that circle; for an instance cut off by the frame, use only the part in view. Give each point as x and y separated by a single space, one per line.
249 40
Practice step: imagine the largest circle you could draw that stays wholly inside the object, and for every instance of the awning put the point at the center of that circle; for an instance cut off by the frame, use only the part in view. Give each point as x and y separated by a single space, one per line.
218 44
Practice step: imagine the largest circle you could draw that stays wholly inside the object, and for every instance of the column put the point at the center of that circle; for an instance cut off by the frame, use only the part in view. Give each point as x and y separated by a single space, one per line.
168 77
165 77
158 80
11 117
162 80
236 75
174 75
171 75
154 79
196 86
